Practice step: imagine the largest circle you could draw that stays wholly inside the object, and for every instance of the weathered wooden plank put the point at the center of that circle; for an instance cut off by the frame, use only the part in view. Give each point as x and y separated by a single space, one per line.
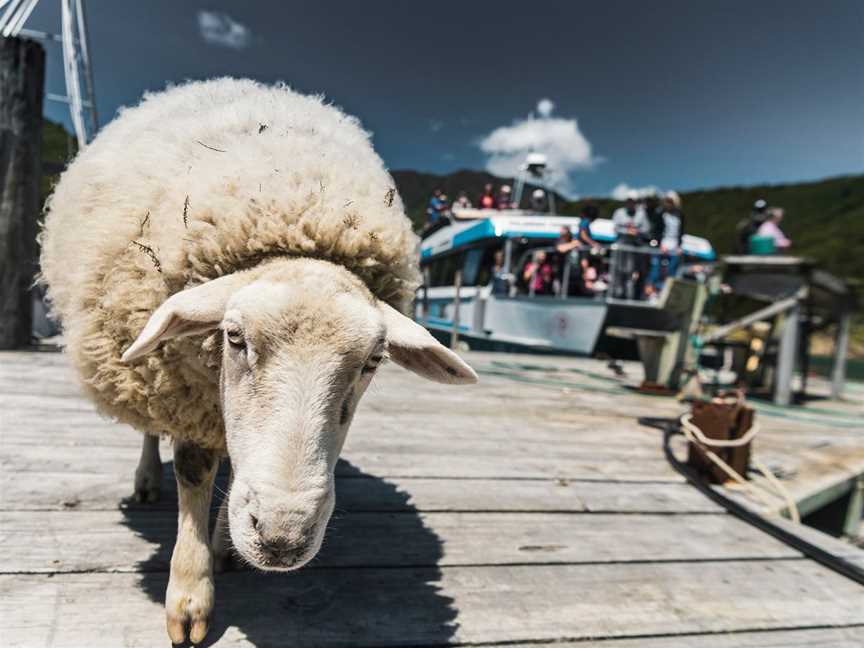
357 491
64 541
430 606
411 458
810 638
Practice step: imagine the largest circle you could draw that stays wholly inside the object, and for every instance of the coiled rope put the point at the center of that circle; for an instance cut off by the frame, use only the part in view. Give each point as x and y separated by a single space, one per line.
694 435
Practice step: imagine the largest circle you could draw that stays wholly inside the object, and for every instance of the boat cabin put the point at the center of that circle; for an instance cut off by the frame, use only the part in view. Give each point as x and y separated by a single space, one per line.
499 279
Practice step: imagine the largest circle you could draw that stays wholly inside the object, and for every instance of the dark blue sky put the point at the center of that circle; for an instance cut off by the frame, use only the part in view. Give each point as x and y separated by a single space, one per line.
674 94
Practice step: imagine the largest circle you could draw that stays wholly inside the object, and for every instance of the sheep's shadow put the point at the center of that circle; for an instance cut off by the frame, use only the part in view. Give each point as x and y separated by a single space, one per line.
374 582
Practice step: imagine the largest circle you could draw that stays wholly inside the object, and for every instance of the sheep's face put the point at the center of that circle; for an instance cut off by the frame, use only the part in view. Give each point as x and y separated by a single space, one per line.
302 340
294 368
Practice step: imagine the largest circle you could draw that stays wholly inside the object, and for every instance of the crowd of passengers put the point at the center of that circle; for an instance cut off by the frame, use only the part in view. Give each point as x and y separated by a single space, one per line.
653 224
649 231
440 210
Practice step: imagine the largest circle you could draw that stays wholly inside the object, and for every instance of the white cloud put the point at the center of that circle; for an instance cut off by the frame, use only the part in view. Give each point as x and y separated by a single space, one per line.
566 148
222 30
622 190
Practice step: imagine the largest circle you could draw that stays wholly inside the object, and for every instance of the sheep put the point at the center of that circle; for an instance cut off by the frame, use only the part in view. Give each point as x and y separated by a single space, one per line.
230 262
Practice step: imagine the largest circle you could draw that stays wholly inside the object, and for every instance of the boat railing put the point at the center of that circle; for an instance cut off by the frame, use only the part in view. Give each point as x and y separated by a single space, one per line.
636 272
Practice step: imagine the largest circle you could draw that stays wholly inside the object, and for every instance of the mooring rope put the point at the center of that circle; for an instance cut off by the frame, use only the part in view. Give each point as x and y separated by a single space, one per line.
838 564
695 436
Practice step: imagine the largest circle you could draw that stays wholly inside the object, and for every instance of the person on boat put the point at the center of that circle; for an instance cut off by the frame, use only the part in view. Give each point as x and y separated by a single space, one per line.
654 218
589 211
538 201
631 229
539 274
748 226
587 215
505 197
487 199
630 221
500 276
566 243
570 250
437 208
461 202
670 235
771 229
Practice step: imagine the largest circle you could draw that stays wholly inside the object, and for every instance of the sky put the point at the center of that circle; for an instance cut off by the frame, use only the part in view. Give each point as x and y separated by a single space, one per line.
618 94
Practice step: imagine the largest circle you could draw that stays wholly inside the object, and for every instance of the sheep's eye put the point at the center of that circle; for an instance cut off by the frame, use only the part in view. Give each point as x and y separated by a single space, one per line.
372 364
235 338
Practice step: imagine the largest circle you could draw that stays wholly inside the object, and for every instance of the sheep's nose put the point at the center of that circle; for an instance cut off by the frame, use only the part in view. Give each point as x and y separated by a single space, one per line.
279 547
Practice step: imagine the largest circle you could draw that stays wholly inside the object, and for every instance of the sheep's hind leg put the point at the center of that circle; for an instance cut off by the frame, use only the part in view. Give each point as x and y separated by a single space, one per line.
148 474
189 599
221 539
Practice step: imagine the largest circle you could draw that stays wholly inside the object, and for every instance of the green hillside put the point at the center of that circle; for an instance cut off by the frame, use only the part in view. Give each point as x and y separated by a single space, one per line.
58 146
824 219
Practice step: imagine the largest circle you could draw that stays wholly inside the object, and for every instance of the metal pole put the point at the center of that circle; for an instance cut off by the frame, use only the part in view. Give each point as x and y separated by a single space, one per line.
761 314
841 349
454 336
425 303
83 39
613 268
786 356
565 280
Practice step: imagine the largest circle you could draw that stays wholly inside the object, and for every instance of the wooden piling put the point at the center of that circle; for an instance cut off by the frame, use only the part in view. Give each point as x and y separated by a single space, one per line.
457 299
22 82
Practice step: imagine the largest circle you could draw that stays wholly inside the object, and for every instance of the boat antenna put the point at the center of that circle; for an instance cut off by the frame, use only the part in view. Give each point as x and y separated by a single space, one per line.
77 66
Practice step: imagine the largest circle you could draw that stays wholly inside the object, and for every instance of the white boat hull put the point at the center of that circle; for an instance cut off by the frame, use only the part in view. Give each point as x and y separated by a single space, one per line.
541 323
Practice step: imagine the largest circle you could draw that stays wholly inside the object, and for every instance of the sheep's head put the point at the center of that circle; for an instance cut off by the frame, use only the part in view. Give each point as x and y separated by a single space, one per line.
302 340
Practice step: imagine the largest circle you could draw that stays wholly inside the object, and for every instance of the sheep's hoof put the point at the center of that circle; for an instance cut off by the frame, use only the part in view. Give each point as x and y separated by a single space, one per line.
148 485
188 607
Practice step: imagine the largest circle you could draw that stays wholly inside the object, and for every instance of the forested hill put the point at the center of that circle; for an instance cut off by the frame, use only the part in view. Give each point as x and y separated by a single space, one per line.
824 219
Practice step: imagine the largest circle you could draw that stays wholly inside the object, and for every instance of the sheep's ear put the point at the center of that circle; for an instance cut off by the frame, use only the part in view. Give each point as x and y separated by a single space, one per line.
413 347
189 312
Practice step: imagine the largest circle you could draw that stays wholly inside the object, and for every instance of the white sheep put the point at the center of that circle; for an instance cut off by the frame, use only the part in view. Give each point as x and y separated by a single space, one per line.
229 261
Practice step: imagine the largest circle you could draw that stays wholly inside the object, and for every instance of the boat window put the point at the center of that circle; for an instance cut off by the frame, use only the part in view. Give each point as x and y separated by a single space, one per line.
471 267
442 271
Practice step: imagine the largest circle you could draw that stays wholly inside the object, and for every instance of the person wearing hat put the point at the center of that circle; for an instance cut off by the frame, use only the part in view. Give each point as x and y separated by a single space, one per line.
538 200
747 227
631 229
670 236
505 197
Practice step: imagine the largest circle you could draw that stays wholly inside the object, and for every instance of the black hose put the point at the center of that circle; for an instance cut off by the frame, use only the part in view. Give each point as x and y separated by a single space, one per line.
671 426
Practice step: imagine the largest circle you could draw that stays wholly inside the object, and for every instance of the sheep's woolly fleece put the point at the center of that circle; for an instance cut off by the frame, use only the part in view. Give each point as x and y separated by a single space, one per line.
197 182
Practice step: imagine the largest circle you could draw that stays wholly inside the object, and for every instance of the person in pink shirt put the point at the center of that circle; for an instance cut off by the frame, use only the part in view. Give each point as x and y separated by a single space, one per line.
539 274
771 229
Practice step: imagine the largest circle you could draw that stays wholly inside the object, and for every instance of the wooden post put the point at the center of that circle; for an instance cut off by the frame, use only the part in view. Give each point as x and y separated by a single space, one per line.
841 349
454 336
22 83
786 355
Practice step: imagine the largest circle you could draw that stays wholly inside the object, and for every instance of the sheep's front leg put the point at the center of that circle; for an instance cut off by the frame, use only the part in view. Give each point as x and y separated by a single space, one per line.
190 588
148 474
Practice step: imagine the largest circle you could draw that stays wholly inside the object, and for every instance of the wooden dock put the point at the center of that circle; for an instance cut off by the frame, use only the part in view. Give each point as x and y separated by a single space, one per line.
530 509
